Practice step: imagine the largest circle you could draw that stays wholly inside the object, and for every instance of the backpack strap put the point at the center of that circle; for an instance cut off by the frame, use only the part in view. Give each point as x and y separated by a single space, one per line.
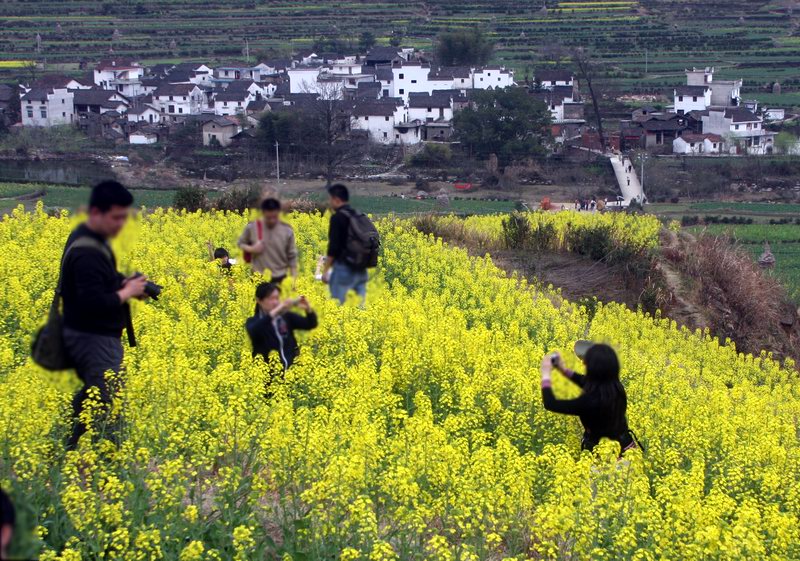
260 229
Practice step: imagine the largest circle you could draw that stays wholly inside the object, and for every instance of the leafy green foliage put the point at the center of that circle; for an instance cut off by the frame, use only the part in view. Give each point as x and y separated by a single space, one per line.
463 48
509 123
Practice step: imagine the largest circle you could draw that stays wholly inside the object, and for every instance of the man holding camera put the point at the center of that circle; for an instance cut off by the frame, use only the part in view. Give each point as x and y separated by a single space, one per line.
96 296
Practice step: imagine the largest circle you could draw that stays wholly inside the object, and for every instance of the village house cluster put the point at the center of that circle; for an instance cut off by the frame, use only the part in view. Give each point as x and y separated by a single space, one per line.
395 95
707 117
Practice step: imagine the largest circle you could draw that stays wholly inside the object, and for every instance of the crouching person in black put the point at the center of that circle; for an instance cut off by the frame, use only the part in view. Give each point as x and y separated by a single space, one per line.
603 403
272 327
95 297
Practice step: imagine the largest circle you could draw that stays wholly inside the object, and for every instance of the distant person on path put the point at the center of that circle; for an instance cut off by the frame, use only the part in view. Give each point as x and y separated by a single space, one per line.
95 296
272 327
353 245
8 520
603 403
270 243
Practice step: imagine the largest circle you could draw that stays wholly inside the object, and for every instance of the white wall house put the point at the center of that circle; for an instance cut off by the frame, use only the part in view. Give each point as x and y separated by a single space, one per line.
724 93
144 114
220 130
690 144
176 101
427 108
408 132
49 102
774 114
232 103
123 76
492 77
43 107
303 79
549 79
691 98
743 130
409 77
143 137
379 118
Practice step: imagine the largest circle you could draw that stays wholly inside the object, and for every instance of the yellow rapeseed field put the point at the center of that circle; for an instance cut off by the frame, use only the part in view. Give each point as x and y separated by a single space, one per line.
412 429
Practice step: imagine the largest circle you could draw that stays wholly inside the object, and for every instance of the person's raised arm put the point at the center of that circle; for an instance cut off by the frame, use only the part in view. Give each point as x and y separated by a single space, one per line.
577 406
309 320
574 377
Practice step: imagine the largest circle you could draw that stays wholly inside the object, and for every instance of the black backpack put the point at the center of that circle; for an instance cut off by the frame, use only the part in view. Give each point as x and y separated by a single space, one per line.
363 241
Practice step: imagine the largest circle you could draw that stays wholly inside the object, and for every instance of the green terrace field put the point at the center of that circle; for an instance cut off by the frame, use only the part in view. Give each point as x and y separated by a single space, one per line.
752 40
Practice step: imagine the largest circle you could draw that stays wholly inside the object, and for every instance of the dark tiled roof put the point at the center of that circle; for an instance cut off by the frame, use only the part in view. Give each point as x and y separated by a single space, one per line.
691 90
239 85
141 109
655 125
380 54
6 92
257 106
694 137
174 89
384 73
418 100
457 71
740 115
222 122
179 76
36 94
231 96
94 97
376 108
553 75
50 81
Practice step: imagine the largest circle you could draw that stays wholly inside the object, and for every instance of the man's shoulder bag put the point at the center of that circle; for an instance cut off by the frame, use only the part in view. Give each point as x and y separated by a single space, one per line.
48 345
246 255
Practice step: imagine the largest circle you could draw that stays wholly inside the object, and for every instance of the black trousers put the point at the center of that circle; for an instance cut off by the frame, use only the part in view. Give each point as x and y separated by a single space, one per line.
93 356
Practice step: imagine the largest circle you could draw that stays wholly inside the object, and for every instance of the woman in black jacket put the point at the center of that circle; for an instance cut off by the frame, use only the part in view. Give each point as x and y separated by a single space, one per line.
272 327
602 404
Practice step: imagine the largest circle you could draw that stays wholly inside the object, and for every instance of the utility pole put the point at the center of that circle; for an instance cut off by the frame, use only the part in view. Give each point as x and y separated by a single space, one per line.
247 50
641 182
645 61
277 162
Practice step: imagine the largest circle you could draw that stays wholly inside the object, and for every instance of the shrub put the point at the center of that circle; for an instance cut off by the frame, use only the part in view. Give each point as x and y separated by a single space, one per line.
596 242
191 199
432 155
240 200
516 231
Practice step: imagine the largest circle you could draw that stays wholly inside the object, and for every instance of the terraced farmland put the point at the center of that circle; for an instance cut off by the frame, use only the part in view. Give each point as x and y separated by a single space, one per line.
757 40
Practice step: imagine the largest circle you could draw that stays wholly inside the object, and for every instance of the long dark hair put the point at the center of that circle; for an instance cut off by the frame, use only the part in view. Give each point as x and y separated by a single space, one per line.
602 379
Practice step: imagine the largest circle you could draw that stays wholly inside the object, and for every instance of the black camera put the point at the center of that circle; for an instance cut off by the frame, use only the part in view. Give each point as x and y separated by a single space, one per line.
554 360
152 289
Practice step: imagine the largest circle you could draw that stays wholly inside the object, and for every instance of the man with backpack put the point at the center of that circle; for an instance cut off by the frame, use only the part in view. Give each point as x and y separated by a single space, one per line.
269 244
353 246
96 297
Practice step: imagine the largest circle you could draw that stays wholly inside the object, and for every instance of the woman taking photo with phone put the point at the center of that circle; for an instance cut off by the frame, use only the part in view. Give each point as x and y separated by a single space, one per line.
603 403
272 327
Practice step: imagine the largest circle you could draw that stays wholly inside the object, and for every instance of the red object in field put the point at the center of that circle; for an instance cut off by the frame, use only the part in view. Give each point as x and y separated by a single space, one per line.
546 204
463 186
